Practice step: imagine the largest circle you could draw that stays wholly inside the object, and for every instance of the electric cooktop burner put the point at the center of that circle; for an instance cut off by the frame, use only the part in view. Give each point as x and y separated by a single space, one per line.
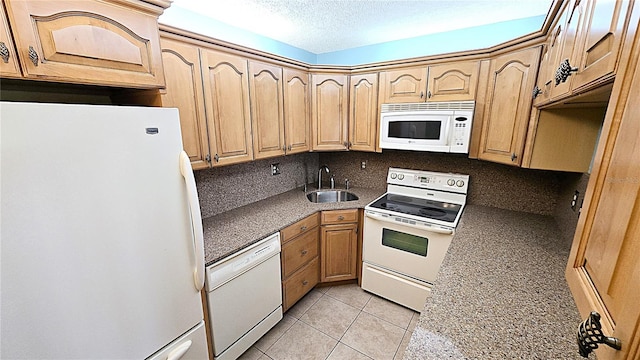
418 207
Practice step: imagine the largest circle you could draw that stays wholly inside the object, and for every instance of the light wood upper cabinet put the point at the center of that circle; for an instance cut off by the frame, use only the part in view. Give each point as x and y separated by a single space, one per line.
403 86
456 81
568 49
184 91
363 112
297 110
330 111
226 97
9 65
506 116
112 43
267 115
605 23
453 82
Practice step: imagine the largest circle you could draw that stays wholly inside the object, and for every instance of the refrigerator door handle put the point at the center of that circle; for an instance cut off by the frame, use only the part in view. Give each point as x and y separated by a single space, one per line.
196 218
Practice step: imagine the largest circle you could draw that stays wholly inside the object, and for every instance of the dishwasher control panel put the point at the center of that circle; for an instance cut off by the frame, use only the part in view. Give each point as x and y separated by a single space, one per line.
226 269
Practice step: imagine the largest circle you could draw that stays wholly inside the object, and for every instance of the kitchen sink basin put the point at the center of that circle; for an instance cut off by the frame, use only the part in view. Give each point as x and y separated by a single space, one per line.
327 196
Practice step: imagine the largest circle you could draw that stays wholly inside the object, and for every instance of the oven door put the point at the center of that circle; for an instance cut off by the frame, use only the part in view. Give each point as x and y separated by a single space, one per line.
410 250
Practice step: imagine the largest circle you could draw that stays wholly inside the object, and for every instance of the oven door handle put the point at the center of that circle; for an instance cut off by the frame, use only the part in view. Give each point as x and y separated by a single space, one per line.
388 219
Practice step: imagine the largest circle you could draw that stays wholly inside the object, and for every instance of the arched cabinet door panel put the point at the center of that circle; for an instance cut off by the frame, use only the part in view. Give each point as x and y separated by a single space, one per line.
88 42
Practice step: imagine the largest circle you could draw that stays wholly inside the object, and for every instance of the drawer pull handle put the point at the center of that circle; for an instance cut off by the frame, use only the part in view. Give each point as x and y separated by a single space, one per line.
303 228
305 282
304 252
340 218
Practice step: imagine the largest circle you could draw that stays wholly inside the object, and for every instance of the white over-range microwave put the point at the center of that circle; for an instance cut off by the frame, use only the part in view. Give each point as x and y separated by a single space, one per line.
436 126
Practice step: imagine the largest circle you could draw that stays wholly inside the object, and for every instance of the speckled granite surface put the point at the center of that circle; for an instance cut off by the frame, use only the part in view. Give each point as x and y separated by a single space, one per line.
500 293
234 230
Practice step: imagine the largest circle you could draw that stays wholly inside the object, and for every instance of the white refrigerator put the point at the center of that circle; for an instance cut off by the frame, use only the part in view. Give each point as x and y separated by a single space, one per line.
101 235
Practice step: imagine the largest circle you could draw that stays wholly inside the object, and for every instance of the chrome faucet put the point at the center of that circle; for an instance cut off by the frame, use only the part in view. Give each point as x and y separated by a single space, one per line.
326 169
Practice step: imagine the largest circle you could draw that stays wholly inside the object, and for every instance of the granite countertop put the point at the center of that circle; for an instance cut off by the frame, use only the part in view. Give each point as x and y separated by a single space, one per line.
231 231
500 293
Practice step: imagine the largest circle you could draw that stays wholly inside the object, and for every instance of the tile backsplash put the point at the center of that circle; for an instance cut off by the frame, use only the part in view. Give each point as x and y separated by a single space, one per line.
228 187
490 184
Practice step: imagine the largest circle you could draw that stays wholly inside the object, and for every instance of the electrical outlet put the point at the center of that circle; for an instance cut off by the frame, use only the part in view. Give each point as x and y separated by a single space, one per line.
574 200
275 169
363 165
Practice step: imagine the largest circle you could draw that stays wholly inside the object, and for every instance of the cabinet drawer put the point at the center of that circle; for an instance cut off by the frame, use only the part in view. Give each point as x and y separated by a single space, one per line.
300 283
306 224
299 251
340 216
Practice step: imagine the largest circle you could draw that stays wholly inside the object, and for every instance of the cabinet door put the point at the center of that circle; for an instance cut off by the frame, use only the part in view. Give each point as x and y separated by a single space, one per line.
9 66
569 48
339 246
226 97
453 82
549 60
602 38
330 111
363 112
184 91
92 42
512 77
403 86
267 118
603 271
297 110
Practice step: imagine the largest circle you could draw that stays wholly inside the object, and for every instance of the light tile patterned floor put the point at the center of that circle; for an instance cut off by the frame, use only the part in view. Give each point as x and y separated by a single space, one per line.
338 322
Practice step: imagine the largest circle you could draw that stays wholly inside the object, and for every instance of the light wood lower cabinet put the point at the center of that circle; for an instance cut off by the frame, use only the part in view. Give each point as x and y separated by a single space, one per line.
299 259
339 245
114 43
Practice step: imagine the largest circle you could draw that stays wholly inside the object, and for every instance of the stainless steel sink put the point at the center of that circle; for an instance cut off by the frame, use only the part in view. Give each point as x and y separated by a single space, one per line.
326 196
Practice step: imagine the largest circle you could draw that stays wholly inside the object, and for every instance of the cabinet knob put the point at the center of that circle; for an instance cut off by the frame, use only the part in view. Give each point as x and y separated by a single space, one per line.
514 157
564 71
305 282
216 158
289 148
536 91
421 94
340 217
303 228
429 94
284 148
33 55
304 252
590 335
4 52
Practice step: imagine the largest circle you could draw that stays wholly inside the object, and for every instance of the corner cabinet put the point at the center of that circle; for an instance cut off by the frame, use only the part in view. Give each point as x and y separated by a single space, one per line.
330 111
455 81
338 245
363 112
113 43
506 116
184 91
226 95
9 66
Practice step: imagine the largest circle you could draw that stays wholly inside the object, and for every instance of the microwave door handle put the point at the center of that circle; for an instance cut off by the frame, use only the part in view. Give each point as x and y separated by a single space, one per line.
450 124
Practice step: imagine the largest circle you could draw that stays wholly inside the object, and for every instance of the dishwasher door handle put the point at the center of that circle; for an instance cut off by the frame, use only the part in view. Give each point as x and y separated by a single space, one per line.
196 219
390 220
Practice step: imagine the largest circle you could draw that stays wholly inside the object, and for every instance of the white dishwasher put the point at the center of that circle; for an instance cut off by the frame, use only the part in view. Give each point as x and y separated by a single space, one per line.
244 297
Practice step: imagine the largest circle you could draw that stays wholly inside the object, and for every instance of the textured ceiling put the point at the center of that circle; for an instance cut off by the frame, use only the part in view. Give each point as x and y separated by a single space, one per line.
321 26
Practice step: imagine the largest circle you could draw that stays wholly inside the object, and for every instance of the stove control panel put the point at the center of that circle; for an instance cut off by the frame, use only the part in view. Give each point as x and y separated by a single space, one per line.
457 183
